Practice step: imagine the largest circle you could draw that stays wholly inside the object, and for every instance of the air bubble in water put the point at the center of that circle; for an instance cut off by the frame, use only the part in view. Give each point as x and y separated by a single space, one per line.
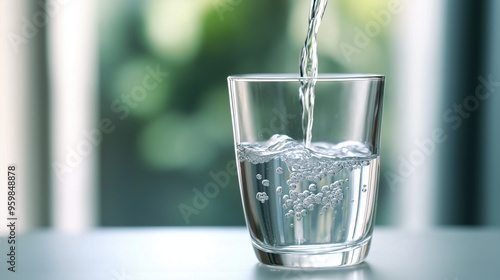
312 187
279 190
279 170
258 176
262 197
337 183
265 183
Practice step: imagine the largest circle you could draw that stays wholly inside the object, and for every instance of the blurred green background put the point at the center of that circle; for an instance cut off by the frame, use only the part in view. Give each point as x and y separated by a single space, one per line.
156 71
170 142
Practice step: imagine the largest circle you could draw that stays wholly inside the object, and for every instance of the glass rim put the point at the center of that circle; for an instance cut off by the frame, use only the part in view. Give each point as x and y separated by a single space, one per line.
269 77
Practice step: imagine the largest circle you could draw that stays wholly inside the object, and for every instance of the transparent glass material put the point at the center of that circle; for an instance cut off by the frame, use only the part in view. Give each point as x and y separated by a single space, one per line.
308 205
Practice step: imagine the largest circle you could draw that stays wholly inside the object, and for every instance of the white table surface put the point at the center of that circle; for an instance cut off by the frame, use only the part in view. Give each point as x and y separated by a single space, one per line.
453 253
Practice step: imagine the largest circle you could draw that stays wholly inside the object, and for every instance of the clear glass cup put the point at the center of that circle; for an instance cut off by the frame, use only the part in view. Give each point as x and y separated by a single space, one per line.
308 205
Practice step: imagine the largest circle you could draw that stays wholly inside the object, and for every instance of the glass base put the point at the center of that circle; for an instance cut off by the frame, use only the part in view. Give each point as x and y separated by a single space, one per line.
338 258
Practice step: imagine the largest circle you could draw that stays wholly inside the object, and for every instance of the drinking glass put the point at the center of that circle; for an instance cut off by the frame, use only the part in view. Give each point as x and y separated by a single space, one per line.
308 205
